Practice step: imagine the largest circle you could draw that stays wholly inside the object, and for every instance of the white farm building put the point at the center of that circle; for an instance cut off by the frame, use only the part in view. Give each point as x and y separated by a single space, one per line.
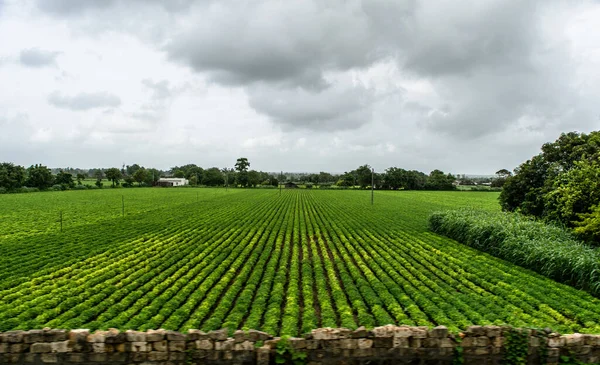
172 181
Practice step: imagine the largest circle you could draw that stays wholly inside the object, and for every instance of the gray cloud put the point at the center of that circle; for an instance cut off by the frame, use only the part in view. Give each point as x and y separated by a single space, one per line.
84 101
78 7
35 57
333 108
160 89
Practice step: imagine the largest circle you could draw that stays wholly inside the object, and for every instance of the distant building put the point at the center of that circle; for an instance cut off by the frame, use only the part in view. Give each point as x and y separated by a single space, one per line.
172 181
290 185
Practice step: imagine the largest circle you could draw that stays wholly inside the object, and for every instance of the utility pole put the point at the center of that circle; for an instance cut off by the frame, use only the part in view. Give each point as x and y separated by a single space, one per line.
372 184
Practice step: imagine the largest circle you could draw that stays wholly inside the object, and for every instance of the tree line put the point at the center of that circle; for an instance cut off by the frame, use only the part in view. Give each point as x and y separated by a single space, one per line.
561 184
14 177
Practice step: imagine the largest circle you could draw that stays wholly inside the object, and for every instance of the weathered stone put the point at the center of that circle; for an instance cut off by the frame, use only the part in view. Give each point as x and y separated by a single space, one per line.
75 357
364 343
297 343
384 341
312 344
391 331
493 331
447 343
49 358
431 342
195 335
243 346
61 346
204 345
419 332
556 341
114 336
240 336
175 336
78 336
226 345
573 340
33 336
476 331
415 342
160 346
254 335
135 336
399 342
177 346
98 357
16 348
3 348
327 333
54 335
155 335
99 347
439 332
13 336
176 356
263 355
139 347
158 356
360 332
41 347
218 335
97 337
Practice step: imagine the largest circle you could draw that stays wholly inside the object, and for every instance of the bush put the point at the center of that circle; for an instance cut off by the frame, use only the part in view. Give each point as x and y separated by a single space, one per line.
57 187
548 250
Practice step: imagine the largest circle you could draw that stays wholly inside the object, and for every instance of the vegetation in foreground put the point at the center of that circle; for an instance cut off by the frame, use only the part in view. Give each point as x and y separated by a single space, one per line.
548 250
281 263
561 185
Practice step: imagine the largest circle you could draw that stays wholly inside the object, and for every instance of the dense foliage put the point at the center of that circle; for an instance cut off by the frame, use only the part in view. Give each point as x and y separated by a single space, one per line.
561 184
549 250
207 258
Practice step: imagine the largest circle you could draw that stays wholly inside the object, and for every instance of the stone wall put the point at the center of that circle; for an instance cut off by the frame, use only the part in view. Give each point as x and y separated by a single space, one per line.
382 345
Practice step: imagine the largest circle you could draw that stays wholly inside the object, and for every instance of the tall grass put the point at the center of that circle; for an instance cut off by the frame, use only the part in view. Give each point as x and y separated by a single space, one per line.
548 250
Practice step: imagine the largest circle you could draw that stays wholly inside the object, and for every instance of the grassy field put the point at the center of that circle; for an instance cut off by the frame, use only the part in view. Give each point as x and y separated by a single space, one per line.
207 259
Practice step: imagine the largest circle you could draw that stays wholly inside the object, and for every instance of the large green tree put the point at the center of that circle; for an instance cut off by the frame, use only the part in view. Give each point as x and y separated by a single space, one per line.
561 184
39 176
11 176
113 174
241 166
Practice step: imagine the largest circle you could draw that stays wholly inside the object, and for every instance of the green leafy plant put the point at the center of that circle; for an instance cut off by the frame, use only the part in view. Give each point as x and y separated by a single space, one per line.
516 346
286 354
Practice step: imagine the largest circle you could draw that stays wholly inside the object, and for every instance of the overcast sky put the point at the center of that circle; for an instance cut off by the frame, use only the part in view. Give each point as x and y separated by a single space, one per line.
463 86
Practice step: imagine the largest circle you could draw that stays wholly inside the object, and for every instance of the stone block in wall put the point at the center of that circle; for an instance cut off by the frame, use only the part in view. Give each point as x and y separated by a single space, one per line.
41 347
393 331
387 342
98 357
204 345
254 335
175 336
138 356
176 356
33 336
399 342
99 347
155 335
177 346
312 344
226 345
364 353
96 337
263 355
139 347
114 336
160 346
49 358
360 332
13 337
297 343
556 341
364 343
158 356
61 346
476 331
78 336
330 333
4 348
75 357
439 332
573 340
135 336
493 331
51 335
243 346
17 348
218 335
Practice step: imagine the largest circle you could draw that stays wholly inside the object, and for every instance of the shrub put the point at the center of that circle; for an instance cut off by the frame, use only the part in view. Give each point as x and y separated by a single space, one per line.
548 250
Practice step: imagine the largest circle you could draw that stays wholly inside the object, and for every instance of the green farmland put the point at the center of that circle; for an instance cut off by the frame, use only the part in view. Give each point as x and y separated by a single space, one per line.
285 264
